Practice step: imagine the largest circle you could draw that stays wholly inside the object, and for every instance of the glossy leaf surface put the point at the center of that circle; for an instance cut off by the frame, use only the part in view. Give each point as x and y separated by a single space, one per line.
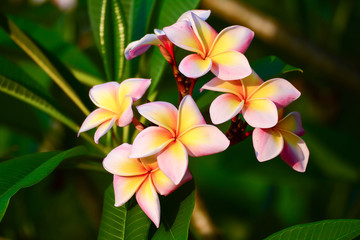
107 20
344 229
28 170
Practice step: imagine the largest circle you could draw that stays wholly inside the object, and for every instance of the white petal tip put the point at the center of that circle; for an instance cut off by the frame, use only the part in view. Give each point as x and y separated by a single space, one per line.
299 167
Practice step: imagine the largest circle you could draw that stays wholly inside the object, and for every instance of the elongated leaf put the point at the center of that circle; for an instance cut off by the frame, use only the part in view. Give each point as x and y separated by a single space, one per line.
48 63
176 211
137 16
272 66
15 73
53 42
344 229
28 170
13 88
107 21
85 78
166 13
125 222
18 84
157 69
130 222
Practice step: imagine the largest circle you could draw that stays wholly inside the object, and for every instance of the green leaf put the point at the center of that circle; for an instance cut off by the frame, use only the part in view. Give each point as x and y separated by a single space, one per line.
137 16
86 78
15 73
344 229
47 62
272 66
176 211
53 42
125 222
22 87
130 222
166 12
28 170
107 21
19 91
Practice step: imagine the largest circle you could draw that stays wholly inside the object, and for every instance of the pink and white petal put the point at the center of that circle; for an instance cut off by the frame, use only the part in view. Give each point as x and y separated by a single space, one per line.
138 47
189 115
104 128
159 32
167 44
163 114
118 162
260 113
183 36
194 66
292 123
218 85
295 152
278 90
95 119
230 65
126 112
162 183
186 16
173 161
250 83
187 177
204 140
135 87
225 107
150 141
268 143
104 96
148 201
125 187
204 32
235 38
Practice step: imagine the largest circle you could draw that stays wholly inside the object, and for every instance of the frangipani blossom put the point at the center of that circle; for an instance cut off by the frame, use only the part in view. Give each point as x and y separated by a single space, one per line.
255 99
179 134
221 53
141 177
283 139
114 101
139 47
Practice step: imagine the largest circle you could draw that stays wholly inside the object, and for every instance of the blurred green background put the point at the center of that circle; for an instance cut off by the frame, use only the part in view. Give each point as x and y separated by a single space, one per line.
246 199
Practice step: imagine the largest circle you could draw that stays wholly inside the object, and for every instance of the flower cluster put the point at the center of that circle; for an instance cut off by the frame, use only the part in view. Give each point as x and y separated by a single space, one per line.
157 161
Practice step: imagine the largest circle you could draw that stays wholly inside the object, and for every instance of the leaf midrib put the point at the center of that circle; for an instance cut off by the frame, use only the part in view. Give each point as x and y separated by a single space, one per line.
27 175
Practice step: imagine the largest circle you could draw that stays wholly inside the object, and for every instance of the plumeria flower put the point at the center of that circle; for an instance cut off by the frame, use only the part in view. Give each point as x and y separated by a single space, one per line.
255 99
140 176
179 134
158 38
283 139
221 53
114 101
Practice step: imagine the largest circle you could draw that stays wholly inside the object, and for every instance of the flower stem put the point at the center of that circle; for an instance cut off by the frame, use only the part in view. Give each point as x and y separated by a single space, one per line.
185 85
138 125
179 81
237 131
192 85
